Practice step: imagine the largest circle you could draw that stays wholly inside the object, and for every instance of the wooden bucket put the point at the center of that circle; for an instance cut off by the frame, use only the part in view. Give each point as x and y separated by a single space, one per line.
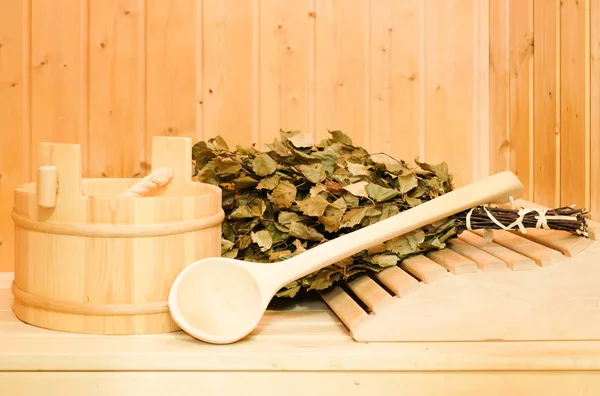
87 261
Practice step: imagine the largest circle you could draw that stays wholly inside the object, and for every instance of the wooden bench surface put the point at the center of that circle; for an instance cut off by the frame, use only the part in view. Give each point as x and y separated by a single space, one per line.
302 349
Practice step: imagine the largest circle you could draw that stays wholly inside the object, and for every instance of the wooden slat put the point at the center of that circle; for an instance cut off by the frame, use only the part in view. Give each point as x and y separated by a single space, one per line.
481 86
521 109
342 99
396 77
515 261
574 134
117 89
546 112
230 56
449 86
424 268
349 312
173 91
59 77
499 128
484 260
15 112
455 263
286 52
397 280
370 293
594 89
563 241
542 255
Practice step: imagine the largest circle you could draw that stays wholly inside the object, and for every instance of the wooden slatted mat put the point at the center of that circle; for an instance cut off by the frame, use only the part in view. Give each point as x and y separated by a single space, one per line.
541 286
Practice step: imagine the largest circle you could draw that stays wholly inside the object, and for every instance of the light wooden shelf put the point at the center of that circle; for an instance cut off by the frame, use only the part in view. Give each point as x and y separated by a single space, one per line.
293 351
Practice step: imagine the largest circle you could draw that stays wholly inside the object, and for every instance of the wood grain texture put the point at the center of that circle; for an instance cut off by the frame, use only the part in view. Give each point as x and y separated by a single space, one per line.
286 62
521 48
15 111
546 154
484 86
574 143
594 90
449 93
397 78
59 73
275 356
172 94
190 383
499 128
342 92
230 72
471 304
116 89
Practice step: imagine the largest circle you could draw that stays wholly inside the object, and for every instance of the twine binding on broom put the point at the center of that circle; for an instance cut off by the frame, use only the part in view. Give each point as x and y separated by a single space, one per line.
542 219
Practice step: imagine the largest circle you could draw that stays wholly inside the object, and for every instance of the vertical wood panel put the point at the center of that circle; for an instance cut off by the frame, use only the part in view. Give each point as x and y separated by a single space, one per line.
499 130
481 88
546 112
396 78
286 51
572 97
406 77
520 78
230 72
14 115
59 75
116 88
449 91
342 92
172 97
595 109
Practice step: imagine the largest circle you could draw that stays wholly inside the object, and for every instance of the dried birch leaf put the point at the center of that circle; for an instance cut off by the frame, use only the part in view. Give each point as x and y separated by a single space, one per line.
269 183
385 260
358 189
263 239
288 217
301 231
284 194
379 193
407 183
313 172
313 206
263 165
353 217
300 139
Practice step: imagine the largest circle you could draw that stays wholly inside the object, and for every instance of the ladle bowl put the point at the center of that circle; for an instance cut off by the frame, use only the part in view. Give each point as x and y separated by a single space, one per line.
221 300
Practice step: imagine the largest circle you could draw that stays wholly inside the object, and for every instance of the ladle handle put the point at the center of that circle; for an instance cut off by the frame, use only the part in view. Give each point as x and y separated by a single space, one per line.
497 188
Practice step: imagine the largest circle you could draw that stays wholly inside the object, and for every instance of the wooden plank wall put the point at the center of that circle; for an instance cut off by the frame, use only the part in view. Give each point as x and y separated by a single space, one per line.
482 85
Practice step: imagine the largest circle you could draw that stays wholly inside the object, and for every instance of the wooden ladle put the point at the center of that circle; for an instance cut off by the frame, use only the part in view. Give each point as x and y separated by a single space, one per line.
221 300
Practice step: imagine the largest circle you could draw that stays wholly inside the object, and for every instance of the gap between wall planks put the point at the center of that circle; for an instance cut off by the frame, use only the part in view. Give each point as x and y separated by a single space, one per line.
114 73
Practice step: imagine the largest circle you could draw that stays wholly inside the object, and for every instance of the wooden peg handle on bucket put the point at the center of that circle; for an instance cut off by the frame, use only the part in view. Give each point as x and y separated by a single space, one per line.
59 181
47 185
